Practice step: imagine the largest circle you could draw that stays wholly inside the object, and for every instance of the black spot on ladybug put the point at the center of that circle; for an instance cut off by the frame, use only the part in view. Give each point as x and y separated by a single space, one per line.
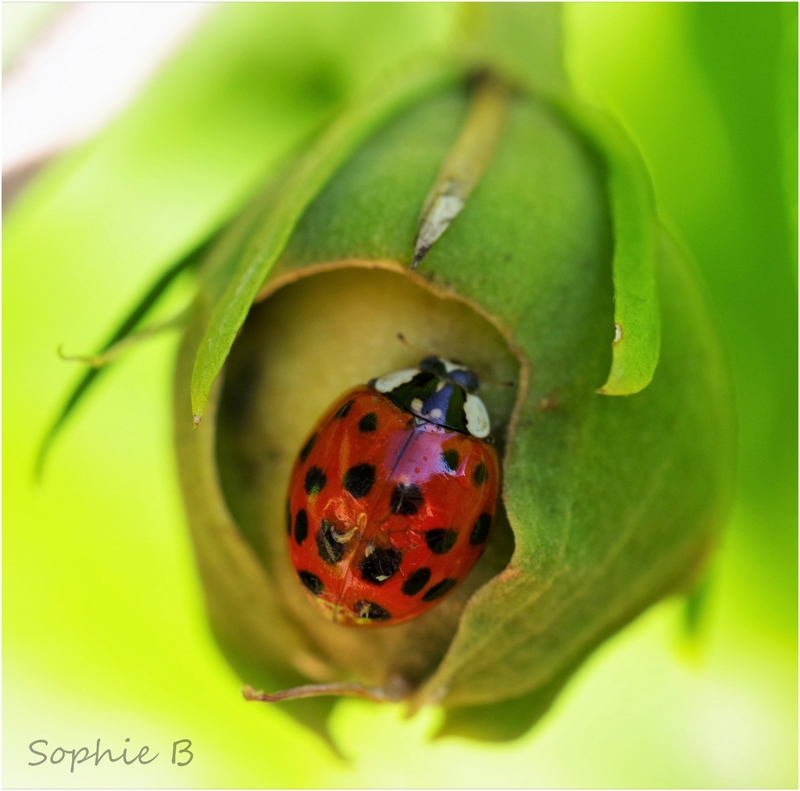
416 582
440 540
288 518
343 410
406 499
315 481
368 609
301 526
439 589
380 565
358 480
368 423
306 449
330 549
450 459
311 581
480 532
479 476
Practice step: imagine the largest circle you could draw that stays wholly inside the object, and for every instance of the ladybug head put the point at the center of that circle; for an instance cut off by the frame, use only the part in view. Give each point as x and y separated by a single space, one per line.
439 391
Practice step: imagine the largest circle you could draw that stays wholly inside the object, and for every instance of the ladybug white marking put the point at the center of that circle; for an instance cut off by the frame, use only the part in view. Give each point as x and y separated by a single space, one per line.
477 417
395 379
451 366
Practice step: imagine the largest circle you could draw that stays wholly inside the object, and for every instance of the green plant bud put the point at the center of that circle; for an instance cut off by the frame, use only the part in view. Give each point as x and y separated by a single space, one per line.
545 275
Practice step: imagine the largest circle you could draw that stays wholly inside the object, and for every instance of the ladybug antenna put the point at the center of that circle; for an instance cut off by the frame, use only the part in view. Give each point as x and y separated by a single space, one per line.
487 380
495 383
410 346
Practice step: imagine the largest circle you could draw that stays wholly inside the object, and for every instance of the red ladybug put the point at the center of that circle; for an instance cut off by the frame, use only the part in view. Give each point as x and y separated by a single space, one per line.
392 496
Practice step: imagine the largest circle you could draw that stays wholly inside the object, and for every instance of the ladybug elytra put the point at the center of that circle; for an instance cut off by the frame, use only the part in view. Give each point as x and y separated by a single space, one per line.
392 496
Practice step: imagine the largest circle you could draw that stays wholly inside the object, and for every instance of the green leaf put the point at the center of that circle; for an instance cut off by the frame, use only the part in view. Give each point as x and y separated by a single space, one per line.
124 331
312 172
522 41
509 719
614 504
696 608
637 324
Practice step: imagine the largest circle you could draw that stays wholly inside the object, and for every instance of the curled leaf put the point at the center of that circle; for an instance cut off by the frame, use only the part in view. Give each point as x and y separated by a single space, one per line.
609 504
637 323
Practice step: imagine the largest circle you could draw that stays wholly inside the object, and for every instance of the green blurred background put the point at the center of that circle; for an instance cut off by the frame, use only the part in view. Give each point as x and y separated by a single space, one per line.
104 635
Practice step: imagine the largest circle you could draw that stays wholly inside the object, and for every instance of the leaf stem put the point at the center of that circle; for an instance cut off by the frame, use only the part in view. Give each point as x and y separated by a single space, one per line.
348 688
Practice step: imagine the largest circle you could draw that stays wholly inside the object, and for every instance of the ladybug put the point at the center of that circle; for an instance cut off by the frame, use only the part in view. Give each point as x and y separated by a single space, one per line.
392 496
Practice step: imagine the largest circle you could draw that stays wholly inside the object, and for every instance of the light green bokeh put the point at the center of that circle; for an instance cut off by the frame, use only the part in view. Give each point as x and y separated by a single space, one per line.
104 634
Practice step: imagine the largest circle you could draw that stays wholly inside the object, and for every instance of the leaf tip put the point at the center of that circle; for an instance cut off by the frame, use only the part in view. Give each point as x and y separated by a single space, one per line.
621 382
199 400
419 253
634 359
41 458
